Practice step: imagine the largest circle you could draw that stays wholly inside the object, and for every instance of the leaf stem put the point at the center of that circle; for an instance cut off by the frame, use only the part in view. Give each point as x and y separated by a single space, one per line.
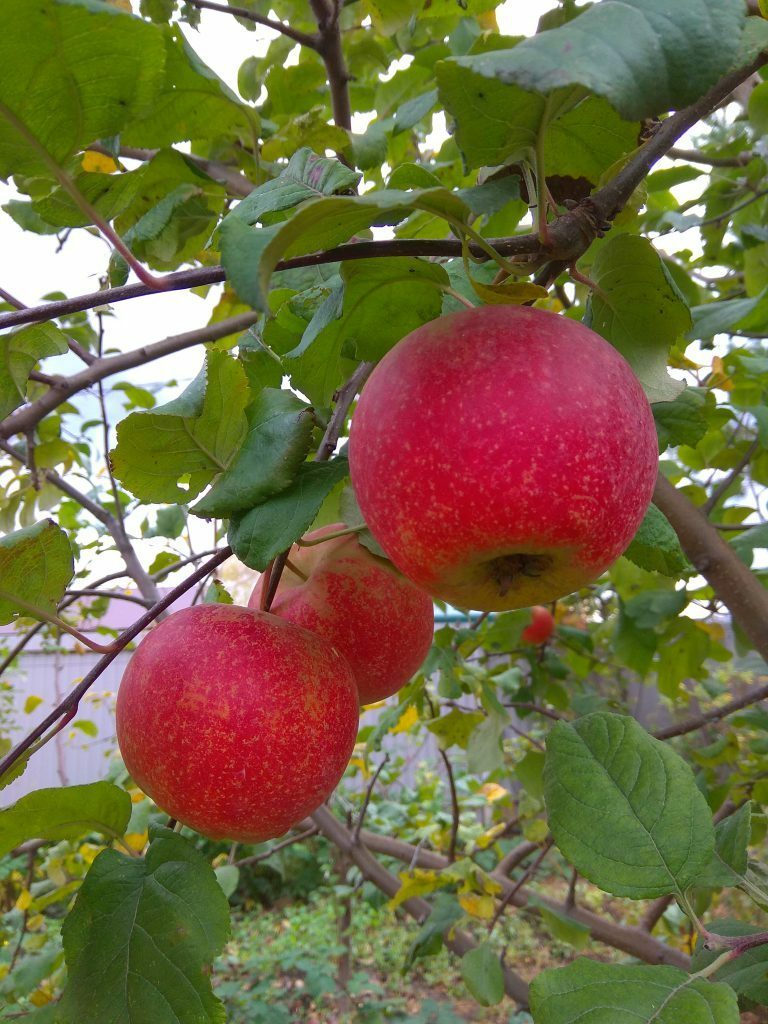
331 536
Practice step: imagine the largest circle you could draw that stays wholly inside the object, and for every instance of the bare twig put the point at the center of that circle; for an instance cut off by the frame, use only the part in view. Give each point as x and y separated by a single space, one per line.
236 183
258 857
303 38
734 584
715 715
455 812
330 49
24 419
723 487
367 800
68 707
529 872
693 156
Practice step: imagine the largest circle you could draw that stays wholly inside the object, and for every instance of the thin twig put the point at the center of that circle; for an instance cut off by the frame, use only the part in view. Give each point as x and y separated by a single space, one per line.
303 38
367 800
729 481
699 721
24 419
529 872
455 812
258 857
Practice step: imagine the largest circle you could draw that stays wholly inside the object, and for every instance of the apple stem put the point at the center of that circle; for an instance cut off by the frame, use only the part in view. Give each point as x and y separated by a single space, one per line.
265 578
295 569
330 536
459 297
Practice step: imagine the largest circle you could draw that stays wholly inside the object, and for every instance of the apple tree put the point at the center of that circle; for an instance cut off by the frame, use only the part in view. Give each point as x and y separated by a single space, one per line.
382 165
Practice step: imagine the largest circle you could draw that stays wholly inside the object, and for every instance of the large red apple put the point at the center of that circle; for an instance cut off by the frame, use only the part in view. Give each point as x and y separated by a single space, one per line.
361 604
235 722
503 456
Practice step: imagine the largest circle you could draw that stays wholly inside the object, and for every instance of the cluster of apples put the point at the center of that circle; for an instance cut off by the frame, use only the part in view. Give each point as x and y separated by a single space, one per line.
502 457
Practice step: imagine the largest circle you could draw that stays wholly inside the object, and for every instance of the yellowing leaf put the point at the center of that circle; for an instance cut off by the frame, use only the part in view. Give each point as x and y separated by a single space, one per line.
493 791
490 837
405 722
24 900
718 378
487 21
137 796
31 703
714 629
98 163
35 922
359 762
536 831
477 906
418 882
509 293
41 996
136 840
4 968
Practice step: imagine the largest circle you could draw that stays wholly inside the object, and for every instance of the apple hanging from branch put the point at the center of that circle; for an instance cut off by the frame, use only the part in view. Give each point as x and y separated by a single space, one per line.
540 628
236 722
503 456
361 604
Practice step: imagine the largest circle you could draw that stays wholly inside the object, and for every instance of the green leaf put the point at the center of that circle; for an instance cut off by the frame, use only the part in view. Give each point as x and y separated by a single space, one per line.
562 927
643 56
19 352
70 73
413 110
682 420
194 102
429 940
484 754
639 310
276 444
196 435
383 300
306 176
251 255
720 317
614 994
261 534
170 523
227 875
217 593
141 937
65 813
730 859
455 728
655 546
747 975
748 542
36 565
624 808
497 122
482 974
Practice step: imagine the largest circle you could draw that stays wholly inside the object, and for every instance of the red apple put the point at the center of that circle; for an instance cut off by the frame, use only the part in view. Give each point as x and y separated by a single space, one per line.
361 604
235 722
541 626
503 456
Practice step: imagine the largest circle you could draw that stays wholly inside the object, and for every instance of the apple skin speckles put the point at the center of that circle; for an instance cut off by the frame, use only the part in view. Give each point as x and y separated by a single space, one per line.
235 722
497 432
